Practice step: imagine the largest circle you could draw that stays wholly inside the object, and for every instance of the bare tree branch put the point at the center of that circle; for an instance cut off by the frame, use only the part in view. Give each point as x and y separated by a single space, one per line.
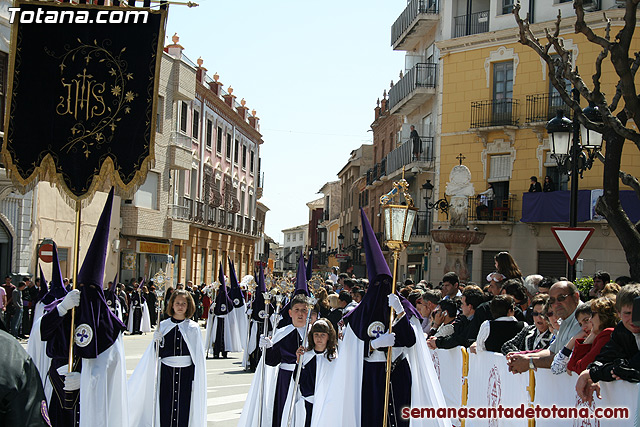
582 27
630 181
616 98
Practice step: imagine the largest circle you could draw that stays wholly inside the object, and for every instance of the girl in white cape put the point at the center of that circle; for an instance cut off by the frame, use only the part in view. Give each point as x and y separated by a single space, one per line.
181 385
318 361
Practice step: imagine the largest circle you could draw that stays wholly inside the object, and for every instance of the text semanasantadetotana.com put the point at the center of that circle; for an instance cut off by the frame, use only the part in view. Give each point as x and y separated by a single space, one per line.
499 411
50 16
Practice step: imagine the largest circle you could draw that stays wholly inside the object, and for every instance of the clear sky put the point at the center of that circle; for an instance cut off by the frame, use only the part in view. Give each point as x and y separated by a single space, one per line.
311 70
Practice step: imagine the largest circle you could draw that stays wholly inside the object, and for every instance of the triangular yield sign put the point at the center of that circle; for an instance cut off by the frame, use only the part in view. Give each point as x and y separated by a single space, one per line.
572 240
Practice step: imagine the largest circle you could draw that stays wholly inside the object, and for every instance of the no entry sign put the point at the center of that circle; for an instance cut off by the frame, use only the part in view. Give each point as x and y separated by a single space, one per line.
46 252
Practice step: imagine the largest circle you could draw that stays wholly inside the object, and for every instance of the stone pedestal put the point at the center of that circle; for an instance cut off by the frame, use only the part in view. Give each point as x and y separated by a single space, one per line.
457 243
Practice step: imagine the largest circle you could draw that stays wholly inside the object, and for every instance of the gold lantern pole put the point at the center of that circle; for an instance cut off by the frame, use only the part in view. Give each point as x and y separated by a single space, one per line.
398 224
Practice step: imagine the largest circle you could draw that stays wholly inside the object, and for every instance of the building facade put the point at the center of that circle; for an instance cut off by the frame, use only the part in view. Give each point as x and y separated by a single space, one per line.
199 203
496 102
295 244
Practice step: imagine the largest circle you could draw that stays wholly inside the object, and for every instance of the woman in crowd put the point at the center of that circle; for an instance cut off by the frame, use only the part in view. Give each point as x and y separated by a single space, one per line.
548 185
604 318
506 265
561 359
323 302
535 337
182 379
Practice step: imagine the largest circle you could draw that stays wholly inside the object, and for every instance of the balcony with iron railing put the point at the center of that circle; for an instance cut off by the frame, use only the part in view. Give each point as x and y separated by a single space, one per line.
378 171
417 19
498 210
473 23
410 154
413 89
542 107
197 212
494 113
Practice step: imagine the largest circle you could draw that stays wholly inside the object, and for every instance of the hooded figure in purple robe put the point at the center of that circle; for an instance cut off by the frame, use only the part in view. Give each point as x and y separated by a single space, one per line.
222 334
96 385
357 389
257 313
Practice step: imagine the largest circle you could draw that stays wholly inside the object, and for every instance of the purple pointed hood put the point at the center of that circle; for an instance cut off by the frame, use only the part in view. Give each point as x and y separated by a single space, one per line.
301 278
235 293
56 287
258 304
224 305
310 265
374 306
43 285
97 327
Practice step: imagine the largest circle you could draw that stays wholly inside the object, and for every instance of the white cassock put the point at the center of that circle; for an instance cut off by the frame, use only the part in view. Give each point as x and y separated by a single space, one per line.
103 382
145 321
141 383
251 409
341 407
241 322
232 337
118 309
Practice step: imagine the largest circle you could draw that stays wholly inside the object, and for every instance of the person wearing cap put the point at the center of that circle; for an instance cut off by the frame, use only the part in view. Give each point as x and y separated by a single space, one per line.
182 383
95 386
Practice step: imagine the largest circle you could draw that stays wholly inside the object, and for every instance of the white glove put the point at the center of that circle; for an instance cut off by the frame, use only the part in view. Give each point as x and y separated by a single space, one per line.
249 312
394 302
71 379
384 340
157 335
72 299
265 342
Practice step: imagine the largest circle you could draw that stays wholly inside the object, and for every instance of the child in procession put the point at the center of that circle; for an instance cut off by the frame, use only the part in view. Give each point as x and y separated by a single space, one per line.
178 401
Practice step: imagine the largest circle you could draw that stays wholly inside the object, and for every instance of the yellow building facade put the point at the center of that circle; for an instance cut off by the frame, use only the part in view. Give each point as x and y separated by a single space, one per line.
496 101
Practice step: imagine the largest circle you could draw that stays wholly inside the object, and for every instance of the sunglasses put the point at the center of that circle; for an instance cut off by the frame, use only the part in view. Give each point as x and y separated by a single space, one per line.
560 298
537 313
549 313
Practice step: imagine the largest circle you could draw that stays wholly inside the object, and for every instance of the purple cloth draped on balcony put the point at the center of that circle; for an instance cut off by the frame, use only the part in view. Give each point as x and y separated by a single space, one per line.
554 206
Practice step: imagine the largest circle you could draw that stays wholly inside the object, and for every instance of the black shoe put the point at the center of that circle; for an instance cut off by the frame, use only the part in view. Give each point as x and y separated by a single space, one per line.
224 354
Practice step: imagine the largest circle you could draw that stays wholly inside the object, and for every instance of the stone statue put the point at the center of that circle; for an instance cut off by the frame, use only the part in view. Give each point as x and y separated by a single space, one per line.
460 189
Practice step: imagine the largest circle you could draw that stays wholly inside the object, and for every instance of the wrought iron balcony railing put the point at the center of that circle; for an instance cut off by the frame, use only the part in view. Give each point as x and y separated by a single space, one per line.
542 107
473 23
499 210
421 75
494 112
407 153
410 13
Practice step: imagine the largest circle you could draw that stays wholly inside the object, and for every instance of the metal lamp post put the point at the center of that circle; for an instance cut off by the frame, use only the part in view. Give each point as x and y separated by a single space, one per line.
569 154
398 223
355 236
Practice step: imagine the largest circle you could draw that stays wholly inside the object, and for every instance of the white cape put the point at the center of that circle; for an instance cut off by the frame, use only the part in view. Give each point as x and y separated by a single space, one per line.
145 322
324 373
232 337
141 383
103 382
103 389
251 408
37 349
252 342
337 407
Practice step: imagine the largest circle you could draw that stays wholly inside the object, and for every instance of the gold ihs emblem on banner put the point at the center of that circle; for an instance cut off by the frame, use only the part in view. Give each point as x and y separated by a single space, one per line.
82 95
96 106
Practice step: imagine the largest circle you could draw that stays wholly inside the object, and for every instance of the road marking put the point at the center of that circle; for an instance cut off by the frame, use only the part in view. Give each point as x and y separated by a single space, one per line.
225 400
212 418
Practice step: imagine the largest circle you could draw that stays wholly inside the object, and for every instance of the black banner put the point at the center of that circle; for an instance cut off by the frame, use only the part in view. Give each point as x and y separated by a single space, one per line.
82 97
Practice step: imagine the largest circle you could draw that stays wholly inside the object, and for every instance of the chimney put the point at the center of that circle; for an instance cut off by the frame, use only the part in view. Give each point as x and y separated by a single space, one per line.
242 110
229 97
254 121
215 85
383 104
200 71
377 109
174 49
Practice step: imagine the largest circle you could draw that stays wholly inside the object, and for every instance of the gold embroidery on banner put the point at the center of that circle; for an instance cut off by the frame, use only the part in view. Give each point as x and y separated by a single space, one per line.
96 105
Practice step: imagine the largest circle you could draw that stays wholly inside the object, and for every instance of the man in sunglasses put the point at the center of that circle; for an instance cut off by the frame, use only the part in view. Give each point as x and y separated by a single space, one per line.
563 300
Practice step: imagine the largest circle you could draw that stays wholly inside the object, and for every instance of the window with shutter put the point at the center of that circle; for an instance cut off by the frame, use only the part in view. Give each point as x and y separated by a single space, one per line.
500 168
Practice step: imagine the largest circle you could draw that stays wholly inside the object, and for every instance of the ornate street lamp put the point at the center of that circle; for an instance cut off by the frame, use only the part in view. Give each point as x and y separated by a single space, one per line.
570 154
441 205
398 223
340 240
